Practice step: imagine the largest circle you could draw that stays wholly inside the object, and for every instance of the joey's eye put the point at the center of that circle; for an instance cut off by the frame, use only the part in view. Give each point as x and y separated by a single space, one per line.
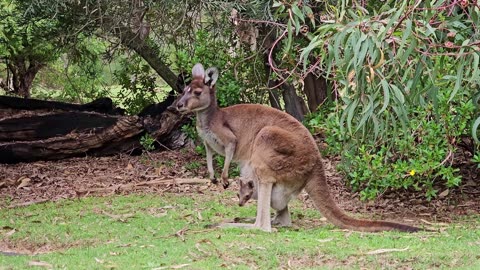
197 93
238 195
247 197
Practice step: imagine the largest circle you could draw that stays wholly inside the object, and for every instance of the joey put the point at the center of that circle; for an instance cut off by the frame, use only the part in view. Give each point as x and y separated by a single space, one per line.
246 192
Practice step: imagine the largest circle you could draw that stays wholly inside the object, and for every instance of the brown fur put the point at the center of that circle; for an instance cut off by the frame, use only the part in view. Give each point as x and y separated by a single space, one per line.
273 149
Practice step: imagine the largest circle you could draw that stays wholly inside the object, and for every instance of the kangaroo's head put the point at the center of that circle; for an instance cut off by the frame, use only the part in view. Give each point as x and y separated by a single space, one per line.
247 191
200 93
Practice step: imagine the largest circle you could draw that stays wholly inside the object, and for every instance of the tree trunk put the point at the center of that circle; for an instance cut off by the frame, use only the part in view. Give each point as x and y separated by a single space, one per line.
135 42
315 88
294 105
23 76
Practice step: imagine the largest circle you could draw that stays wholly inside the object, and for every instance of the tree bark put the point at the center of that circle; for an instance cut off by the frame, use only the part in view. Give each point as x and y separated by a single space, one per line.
316 90
23 73
294 105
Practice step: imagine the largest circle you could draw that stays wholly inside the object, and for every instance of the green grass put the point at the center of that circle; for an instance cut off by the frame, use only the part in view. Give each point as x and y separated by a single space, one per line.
171 230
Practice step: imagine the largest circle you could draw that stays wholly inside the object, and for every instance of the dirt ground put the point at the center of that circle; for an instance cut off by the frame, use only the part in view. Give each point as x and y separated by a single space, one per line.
29 183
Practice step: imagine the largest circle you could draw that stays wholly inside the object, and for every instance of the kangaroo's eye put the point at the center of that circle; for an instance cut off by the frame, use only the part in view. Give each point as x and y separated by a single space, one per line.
196 93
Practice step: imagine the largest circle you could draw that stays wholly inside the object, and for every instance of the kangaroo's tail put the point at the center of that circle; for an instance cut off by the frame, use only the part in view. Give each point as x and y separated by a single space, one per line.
317 188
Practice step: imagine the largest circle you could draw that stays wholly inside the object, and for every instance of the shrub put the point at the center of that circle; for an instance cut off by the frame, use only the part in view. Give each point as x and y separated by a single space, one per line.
417 156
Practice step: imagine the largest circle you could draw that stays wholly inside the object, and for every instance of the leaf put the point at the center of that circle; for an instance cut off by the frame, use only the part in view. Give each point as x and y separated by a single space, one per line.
277 4
398 93
386 95
458 82
393 19
297 25
306 51
406 54
178 266
289 36
444 193
406 34
308 11
40 264
367 113
338 44
376 127
298 13
386 250
24 181
350 113
325 240
10 233
363 45
475 130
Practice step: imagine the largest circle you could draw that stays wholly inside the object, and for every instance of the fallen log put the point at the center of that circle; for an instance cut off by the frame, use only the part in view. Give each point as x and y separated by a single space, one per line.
55 130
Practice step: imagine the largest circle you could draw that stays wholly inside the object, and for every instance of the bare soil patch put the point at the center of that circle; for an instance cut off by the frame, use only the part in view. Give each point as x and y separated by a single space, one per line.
42 181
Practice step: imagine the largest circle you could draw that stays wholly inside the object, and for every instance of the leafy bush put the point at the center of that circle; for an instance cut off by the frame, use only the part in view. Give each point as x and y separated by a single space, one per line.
77 76
138 84
418 156
147 141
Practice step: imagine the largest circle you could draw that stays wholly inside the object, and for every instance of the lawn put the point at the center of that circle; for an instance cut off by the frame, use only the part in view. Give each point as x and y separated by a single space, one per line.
173 231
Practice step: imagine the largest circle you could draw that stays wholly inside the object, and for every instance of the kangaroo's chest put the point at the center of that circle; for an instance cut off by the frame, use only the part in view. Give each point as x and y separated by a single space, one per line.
212 140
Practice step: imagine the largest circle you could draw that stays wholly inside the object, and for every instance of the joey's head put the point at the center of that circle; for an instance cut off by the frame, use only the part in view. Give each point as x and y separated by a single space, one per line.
247 191
200 93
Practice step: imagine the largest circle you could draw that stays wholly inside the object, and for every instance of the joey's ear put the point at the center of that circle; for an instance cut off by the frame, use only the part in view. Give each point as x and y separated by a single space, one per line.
250 184
198 71
211 76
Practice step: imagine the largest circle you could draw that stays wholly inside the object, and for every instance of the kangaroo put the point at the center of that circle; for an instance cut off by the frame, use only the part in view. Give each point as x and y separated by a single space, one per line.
247 191
274 151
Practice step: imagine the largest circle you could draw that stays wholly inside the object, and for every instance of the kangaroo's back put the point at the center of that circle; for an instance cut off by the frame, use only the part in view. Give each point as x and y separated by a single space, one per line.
247 120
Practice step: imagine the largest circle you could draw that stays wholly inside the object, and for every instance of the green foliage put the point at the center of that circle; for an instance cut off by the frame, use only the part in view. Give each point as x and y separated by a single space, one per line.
396 59
70 61
23 38
147 141
234 169
138 84
84 71
231 86
193 166
418 156
406 77
476 159
190 130
77 76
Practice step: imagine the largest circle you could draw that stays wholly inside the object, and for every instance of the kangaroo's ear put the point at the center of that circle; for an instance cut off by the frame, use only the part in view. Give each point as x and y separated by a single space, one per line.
211 76
198 71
